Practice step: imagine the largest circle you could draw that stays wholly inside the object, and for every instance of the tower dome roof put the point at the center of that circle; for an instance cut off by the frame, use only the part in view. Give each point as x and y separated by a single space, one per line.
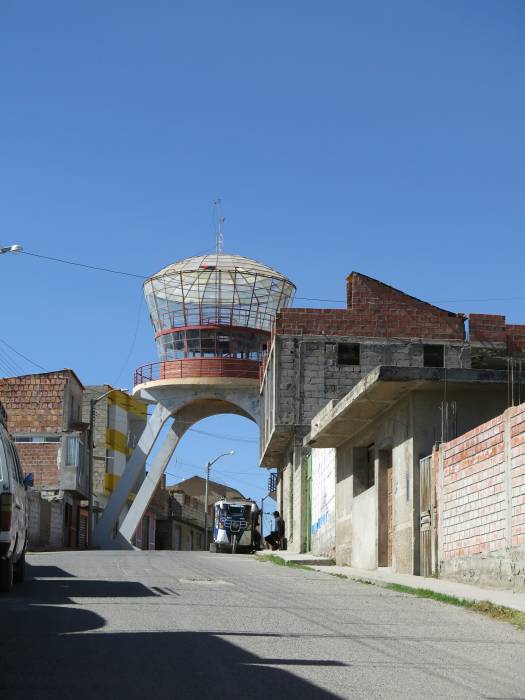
220 261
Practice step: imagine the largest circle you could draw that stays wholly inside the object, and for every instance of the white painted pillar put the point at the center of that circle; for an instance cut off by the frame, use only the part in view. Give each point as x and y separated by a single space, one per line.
103 533
150 483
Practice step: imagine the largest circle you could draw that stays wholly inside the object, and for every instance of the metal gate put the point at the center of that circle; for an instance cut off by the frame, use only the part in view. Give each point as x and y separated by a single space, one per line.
427 514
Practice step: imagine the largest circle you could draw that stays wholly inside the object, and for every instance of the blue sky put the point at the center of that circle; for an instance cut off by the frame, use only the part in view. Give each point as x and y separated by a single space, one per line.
381 137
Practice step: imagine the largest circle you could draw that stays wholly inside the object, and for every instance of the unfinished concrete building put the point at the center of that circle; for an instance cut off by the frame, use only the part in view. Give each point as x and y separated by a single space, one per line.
352 399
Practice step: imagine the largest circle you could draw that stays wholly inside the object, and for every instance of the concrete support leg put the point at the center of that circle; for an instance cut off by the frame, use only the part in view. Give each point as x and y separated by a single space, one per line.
150 483
103 534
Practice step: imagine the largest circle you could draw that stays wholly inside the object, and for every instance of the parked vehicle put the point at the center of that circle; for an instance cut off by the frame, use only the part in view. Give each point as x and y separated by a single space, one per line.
233 527
13 511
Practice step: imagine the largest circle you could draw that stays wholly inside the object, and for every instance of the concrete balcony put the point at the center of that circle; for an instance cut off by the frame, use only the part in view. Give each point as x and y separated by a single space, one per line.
226 371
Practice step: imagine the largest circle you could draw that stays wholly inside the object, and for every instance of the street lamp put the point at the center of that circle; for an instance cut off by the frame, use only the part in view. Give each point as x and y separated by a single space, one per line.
208 467
15 248
92 404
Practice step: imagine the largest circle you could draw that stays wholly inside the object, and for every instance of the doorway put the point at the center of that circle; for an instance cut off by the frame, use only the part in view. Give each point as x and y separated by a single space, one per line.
389 496
385 509
308 514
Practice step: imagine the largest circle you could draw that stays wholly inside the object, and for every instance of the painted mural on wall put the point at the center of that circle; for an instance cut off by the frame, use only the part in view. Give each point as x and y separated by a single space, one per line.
323 502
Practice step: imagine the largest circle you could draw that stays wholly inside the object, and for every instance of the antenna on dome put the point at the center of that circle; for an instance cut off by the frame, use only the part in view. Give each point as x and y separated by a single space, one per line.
219 238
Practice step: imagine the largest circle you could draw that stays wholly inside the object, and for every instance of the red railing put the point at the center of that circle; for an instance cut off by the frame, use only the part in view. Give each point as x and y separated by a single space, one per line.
190 368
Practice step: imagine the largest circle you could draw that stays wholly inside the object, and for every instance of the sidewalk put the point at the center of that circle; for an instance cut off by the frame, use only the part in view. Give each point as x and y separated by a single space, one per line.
497 596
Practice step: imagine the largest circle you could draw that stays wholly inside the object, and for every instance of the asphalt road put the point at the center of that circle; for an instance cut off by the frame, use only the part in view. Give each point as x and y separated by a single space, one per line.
195 625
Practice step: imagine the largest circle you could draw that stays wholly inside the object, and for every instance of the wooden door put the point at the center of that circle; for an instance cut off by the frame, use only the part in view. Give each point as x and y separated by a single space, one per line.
389 512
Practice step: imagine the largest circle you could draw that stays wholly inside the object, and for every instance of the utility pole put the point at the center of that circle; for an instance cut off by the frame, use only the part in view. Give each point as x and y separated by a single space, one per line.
208 467
262 515
92 404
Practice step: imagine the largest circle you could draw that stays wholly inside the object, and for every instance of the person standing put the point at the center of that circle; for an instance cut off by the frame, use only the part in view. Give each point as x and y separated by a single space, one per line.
276 537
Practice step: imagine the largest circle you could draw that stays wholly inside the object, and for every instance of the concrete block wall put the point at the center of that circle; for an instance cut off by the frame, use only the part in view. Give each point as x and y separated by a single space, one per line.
101 495
310 375
481 498
56 531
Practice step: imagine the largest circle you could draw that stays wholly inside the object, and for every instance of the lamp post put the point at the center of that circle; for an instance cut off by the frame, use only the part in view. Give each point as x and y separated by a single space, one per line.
15 248
208 467
92 405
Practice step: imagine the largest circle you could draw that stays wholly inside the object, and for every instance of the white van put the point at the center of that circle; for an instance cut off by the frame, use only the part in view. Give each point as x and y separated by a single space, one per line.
13 511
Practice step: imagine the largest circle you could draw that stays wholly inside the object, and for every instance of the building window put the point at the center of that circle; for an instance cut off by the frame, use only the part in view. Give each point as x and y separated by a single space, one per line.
72 451
433 355
37 438
348 354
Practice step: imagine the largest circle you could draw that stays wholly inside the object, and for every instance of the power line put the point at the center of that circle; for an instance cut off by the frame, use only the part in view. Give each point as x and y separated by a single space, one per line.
87 267
328 301
11 365
27 359
223 437
134 340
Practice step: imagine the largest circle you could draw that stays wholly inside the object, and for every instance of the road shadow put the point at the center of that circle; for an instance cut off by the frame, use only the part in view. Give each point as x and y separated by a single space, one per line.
54 586
33 571
53 592
139 665
49 647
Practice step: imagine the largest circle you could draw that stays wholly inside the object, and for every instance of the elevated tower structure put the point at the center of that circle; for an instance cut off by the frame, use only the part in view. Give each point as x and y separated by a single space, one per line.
212 317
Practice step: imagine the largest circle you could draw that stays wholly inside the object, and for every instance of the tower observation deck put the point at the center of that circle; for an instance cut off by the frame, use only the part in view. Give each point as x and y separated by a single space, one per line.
212 318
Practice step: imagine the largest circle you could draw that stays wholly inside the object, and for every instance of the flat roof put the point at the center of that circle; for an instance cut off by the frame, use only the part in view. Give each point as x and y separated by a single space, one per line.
378 391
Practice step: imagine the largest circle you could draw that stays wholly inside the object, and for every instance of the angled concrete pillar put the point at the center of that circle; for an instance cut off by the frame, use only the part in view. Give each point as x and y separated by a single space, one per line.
186 405
150 483
103 533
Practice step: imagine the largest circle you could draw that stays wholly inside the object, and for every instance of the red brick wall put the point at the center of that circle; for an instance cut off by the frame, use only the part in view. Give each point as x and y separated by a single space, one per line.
517 473
377 310
473 509
40 459
491 328
515 338
476 467
34 402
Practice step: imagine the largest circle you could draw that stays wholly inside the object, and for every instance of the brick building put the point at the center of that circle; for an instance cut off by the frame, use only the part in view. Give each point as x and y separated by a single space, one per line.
351 399
44 413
